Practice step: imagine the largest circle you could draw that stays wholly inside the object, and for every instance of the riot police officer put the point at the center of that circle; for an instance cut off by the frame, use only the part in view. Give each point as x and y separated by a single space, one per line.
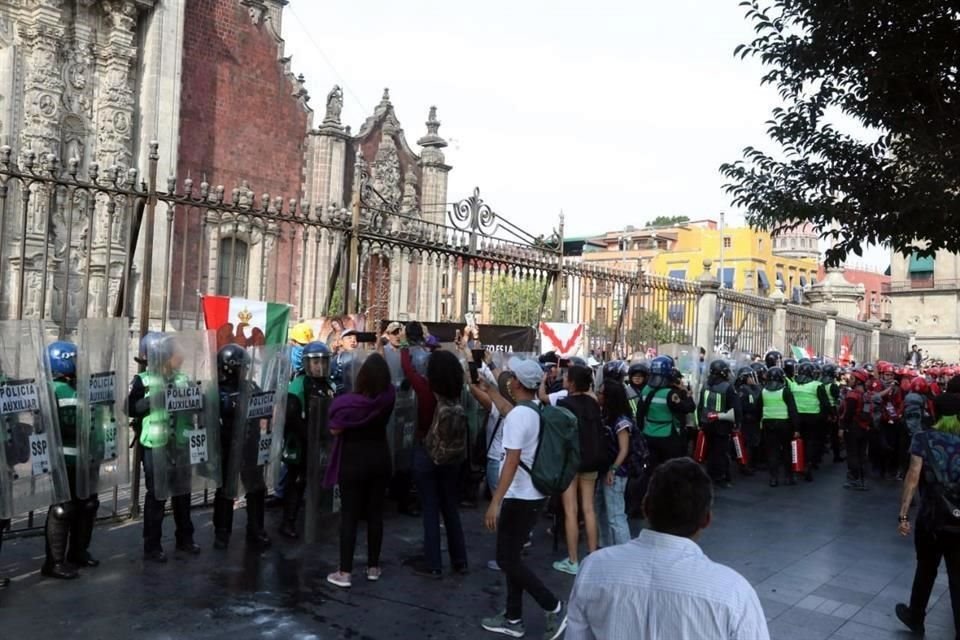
720 415
151 425
637 376
828 378
312 382
773 359
4 525
778 413
790 368
662 411
813 407
69 526
749 389
233 361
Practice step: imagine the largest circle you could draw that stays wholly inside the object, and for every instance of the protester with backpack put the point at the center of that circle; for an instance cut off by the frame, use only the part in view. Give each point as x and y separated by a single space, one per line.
935 454
441 447
593 459
619 428
540 453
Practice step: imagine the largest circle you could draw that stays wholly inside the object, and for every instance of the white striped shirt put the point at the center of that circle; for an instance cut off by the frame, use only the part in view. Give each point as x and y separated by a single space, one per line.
661 587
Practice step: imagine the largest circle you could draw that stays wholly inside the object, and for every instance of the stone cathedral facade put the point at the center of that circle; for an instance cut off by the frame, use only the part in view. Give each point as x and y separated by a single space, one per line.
93 82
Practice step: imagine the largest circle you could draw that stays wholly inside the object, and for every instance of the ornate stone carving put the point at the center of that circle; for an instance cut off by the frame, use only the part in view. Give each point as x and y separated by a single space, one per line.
386 166
257 9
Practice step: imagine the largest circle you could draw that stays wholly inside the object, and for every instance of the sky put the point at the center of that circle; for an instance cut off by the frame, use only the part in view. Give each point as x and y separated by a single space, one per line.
611 111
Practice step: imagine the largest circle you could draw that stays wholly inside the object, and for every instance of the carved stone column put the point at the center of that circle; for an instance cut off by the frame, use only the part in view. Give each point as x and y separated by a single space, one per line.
433 203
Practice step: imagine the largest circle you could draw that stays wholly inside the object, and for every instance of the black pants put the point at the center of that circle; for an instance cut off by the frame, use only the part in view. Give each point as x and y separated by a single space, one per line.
835 444
931 547
857 439
363 485
891 440
665 448
718 451
517 518
153 512
813 432
777 435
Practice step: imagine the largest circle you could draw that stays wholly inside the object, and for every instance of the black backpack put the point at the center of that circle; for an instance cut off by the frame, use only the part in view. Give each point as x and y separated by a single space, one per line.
942 497
593 444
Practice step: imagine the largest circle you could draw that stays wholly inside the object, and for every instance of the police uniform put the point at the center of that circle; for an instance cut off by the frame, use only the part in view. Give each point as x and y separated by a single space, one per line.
812 410
778 413
662 412
749 394
719 397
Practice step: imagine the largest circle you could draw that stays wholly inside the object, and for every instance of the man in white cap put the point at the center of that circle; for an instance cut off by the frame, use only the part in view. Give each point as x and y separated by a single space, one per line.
340 373
515 506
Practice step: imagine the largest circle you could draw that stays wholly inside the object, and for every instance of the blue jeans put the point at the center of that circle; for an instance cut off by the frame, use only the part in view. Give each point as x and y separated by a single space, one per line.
493 475
438 486
612 516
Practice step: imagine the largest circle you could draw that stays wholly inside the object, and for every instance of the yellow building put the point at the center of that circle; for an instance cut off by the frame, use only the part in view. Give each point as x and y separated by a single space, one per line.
752 261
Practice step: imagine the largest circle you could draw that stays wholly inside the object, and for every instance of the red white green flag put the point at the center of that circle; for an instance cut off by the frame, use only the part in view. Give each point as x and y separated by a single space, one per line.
246 322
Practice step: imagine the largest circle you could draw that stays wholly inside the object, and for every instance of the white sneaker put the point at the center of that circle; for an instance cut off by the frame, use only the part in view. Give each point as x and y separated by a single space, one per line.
492 565
339 579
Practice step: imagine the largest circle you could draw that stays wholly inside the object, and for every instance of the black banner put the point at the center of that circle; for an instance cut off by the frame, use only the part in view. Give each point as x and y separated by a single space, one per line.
494 337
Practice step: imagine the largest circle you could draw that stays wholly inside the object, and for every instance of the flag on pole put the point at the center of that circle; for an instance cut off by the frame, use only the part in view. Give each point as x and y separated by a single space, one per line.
248 323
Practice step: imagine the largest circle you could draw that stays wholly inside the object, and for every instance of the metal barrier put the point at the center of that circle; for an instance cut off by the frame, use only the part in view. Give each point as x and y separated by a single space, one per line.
805 328
894 345
744 322
857 336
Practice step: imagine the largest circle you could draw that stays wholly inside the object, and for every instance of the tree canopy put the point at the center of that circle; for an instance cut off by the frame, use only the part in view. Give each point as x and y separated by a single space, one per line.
516 301
892 67
666 221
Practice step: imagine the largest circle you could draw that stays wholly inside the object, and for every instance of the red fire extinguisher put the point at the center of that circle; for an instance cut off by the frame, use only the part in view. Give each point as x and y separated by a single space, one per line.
739 448
700 448
797 459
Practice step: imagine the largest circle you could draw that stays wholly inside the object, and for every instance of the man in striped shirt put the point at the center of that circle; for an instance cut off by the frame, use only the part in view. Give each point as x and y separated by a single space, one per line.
660 585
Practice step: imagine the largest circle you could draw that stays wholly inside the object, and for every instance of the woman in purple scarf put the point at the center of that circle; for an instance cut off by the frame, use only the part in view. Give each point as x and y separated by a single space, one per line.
360 463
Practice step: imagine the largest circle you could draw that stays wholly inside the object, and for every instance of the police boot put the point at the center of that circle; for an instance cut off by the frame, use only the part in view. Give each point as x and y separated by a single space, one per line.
82 532
291 507
57 534
222 521
256 534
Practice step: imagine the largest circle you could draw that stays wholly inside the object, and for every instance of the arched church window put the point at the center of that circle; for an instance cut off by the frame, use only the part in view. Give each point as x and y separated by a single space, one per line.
232 267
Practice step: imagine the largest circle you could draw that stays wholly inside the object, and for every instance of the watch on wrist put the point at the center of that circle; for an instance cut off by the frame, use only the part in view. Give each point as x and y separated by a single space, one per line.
903 519
614 468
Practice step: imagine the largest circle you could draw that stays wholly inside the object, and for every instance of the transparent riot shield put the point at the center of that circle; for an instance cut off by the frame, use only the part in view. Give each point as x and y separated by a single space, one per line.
183 427
318 396
34 475
256 443
102 445
402 427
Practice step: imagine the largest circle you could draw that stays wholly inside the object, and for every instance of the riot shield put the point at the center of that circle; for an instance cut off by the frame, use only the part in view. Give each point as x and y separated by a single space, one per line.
102 445
402 427
256 443
318 396
34 475
183 425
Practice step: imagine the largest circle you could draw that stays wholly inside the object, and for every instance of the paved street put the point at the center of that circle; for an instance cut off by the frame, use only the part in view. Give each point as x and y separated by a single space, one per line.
827 564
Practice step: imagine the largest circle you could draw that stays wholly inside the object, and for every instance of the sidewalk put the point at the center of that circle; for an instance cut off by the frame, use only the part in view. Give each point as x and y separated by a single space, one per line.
827 563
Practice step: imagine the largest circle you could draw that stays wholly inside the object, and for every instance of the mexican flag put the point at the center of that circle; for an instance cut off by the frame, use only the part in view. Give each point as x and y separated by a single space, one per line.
799 352
248 323
844 358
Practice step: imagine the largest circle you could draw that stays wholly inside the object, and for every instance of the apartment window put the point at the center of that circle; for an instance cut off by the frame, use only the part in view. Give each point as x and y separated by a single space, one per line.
727 242
232 268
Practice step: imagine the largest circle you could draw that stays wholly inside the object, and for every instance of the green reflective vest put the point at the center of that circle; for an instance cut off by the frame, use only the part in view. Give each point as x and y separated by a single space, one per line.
774 406
156 425
66 396
659 421
808 402
833 393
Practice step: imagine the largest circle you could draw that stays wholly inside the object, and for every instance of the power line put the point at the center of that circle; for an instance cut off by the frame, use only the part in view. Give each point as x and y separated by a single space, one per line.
342 82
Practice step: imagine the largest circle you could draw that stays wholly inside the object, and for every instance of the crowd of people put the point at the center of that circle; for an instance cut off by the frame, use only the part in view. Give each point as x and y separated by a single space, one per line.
592 445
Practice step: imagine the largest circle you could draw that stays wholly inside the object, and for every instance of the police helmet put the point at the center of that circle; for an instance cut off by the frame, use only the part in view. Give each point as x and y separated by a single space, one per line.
638 369
830 370
720 369
773 359
661 366
63 359
789 367
776 375
615 370
232 363
675 376
805 371
745 375
148 343
316 349
577 361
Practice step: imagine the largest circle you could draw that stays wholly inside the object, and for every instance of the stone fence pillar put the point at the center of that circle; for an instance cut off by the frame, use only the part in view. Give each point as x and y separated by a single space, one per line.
779 319
705 335
830 334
